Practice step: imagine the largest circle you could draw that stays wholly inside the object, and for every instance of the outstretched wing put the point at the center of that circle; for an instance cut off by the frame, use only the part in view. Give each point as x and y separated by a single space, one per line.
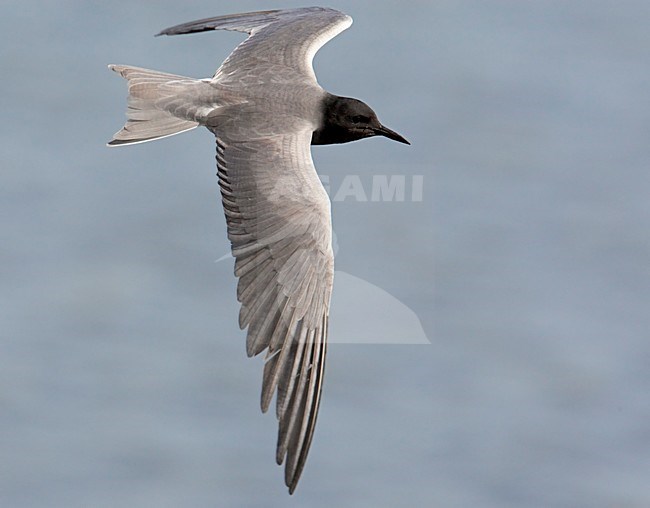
279 224
288 38
277 211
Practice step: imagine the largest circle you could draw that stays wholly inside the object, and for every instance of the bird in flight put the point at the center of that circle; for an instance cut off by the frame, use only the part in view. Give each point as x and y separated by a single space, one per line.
265 108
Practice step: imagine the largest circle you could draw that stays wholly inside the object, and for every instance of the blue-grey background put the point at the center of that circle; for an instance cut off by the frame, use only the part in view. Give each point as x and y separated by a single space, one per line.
123 376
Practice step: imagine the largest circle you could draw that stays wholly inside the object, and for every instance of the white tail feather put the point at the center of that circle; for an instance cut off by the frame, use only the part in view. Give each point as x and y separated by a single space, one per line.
151 96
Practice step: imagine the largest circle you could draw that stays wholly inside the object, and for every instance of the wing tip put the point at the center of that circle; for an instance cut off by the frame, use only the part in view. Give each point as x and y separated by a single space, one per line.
116 142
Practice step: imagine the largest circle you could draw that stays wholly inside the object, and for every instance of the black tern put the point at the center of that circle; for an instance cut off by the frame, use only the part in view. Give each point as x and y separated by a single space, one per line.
266 108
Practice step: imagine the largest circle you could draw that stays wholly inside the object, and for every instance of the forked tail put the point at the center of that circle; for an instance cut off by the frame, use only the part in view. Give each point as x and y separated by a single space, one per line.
157 105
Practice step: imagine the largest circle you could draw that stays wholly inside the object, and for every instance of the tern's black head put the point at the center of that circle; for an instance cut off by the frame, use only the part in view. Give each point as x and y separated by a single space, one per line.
346 119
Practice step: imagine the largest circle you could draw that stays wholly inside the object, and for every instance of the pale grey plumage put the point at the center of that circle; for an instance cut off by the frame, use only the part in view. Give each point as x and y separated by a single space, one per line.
277 212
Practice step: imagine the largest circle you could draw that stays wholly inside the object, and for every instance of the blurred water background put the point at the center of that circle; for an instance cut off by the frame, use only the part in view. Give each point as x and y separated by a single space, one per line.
123 376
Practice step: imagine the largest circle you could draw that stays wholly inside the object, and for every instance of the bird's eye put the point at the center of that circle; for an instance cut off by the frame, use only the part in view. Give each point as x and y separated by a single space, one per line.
360 119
